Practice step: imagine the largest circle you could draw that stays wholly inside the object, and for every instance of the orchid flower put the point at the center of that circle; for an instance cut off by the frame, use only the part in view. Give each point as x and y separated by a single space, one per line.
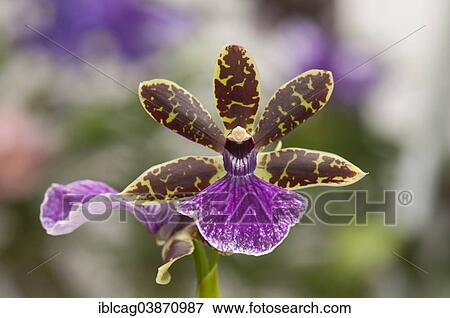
242 200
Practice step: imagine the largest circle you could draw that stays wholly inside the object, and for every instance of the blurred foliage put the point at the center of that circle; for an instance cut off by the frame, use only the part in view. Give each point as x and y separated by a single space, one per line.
115 141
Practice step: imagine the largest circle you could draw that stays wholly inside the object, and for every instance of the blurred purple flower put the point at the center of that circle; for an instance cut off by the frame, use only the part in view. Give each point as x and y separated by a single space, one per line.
316 49
132 28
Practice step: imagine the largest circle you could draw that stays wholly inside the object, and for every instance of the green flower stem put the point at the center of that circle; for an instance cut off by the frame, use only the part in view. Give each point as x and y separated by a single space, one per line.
200 260
207 278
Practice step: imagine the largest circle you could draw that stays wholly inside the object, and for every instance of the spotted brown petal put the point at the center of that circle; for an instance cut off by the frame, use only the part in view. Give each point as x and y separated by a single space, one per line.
177 109
176 179
178 246
294 168
236 88
292 104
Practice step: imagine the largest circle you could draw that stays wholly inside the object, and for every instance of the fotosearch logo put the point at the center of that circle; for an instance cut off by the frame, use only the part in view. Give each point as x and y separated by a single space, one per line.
336 207
344 207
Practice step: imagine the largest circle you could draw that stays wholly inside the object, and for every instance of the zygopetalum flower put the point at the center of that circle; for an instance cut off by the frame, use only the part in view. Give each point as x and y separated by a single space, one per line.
243 200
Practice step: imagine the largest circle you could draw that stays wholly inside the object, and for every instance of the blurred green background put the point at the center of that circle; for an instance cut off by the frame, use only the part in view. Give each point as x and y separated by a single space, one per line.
61 120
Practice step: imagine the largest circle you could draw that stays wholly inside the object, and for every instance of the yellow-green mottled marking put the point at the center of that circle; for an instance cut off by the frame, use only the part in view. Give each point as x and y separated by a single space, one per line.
292 104
295 168
236 88
177 178
174 107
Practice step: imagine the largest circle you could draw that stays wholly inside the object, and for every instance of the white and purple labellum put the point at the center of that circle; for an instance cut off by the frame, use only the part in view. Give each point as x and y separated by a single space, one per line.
242 213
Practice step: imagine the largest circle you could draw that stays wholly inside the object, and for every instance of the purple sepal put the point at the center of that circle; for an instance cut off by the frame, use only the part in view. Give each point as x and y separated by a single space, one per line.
61 210
244 214
66 207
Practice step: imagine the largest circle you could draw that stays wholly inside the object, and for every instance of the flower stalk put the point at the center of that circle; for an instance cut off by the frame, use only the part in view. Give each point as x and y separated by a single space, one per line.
207 274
